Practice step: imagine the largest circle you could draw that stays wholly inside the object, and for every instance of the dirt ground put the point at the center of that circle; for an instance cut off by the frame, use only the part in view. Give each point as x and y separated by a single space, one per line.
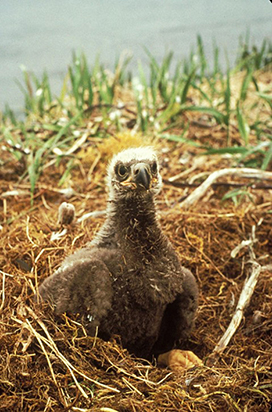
47 363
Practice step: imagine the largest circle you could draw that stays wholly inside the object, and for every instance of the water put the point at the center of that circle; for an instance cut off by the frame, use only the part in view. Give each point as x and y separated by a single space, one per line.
42 34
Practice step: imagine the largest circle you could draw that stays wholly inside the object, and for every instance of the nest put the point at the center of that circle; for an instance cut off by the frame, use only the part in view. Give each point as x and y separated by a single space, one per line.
48 363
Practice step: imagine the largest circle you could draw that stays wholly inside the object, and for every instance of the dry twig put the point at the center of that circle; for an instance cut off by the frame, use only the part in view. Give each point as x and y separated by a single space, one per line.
202 189
244 300
245 295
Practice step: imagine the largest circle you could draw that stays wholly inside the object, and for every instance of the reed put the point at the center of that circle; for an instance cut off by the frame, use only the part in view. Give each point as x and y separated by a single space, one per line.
157 99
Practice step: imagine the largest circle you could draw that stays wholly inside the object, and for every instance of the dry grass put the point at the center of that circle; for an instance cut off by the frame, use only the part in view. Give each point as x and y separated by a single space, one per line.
48 363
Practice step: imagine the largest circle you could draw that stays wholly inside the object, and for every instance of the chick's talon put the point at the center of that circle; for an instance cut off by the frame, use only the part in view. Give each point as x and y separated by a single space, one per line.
178 360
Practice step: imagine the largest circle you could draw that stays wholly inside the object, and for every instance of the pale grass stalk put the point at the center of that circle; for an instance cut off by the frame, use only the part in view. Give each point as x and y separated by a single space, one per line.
4 274
132 387
3 290
37 336
50 342
132 375
27 231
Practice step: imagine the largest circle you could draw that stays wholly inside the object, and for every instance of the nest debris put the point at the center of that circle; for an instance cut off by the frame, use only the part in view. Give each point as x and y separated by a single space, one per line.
48 363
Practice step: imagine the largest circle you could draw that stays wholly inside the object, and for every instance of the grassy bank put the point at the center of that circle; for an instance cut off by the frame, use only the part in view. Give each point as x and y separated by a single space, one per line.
164 101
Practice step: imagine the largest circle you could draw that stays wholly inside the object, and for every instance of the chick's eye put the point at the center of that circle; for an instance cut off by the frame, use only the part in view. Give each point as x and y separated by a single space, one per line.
154 167
122 170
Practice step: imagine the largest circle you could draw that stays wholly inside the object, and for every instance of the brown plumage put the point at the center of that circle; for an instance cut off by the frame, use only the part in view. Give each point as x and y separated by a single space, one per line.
129 281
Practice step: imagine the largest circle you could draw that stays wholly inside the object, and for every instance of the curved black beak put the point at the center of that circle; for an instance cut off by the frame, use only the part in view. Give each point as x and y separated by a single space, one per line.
142 176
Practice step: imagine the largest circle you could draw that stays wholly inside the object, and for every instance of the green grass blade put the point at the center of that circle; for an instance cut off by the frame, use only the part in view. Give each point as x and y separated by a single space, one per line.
219 117
266 97
227 98
242 125
236 195
202 57
227 150
268 157
216 67
180 138
246 83
143 82
187 84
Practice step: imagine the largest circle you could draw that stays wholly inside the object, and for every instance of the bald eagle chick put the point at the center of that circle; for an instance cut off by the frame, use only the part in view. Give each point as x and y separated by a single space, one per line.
129 281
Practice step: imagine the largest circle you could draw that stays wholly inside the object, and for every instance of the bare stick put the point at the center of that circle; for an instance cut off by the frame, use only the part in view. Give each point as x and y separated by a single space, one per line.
202 189
244 300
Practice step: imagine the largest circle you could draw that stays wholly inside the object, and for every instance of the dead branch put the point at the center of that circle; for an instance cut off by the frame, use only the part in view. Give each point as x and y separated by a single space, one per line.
245 295
202 189
190 185
244 300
